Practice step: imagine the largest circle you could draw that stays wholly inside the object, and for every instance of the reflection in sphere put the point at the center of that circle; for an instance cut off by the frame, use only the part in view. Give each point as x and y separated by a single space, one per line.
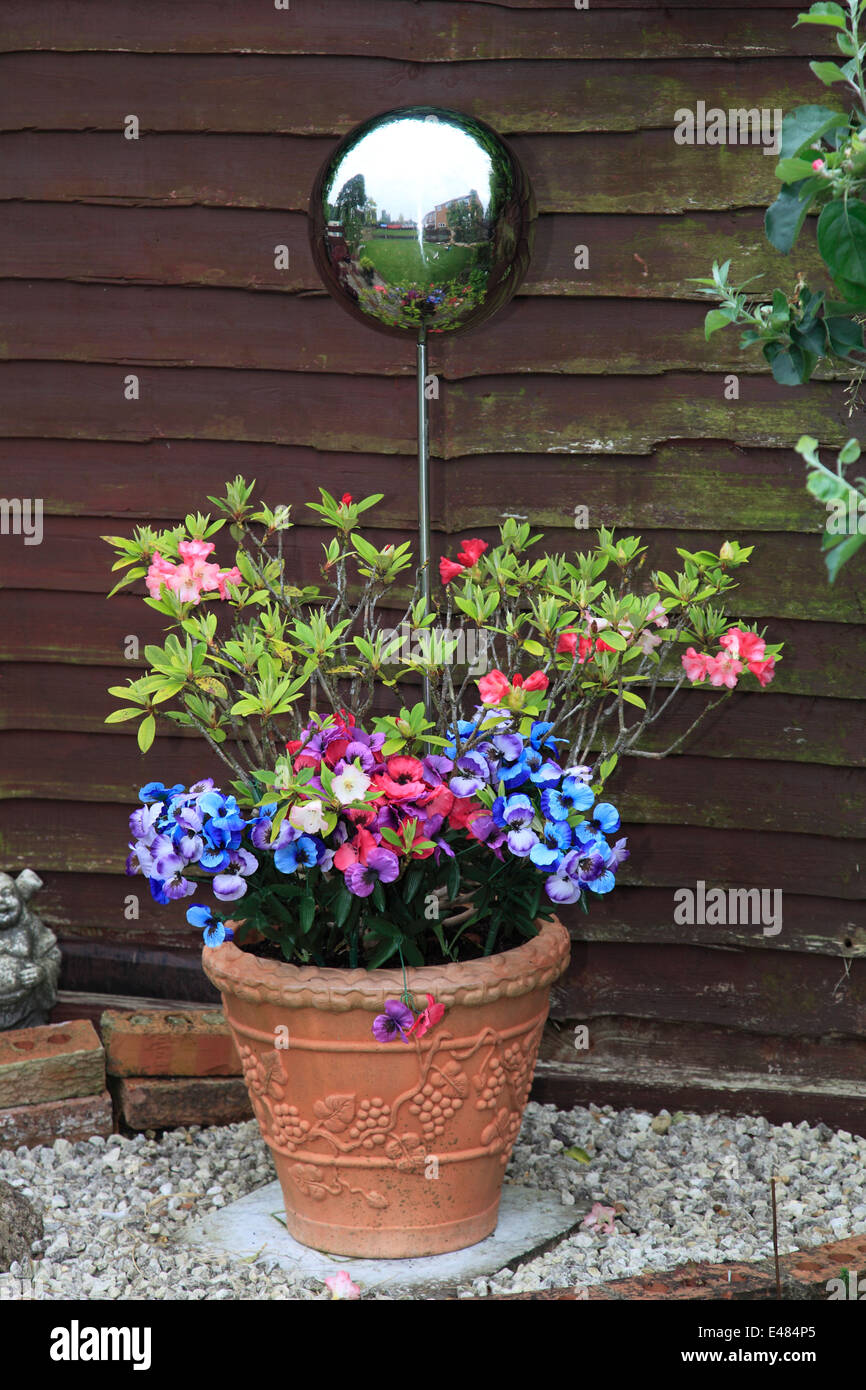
422 218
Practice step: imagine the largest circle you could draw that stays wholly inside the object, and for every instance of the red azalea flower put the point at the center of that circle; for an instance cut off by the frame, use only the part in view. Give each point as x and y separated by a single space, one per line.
537 681
493 687
449 569
346 499
471 552
567 642
294 744
306 760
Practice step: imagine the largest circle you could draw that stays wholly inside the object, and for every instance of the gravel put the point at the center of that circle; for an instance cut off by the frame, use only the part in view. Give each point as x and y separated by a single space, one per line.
682 1187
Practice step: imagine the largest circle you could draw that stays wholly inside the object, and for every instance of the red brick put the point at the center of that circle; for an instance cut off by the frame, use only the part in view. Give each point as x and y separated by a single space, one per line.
149 1103
168 1043
56 1062
78 1118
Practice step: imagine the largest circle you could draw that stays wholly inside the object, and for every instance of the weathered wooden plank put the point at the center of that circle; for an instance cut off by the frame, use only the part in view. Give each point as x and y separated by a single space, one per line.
645 915
544 414
727 793
92 837
99 910
643 172
648 257
437 32
785 1099
769 725
112 966
785 577
639 1044
740 990
324 94
680 484
821 659
181 327
157 482
594 414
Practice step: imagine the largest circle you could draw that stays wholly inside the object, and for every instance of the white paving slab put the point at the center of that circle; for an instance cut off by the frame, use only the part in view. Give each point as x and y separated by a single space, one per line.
254 1228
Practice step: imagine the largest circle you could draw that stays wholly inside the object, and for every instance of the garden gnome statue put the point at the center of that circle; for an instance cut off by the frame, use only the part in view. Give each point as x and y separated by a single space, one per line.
29 956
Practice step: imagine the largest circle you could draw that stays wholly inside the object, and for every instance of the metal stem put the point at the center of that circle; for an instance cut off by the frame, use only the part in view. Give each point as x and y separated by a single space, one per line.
423 491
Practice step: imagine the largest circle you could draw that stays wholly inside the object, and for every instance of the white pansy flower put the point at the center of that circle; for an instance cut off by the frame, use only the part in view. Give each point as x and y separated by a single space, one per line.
308 817
351 785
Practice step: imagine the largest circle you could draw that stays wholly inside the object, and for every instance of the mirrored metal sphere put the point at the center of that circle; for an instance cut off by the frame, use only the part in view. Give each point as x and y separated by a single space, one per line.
422 217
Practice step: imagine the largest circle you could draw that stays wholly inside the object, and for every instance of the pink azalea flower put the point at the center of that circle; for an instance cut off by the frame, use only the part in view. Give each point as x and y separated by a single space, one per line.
724 669
232 576
747 645
695 664
341 1285
191 551
601 1219
763 670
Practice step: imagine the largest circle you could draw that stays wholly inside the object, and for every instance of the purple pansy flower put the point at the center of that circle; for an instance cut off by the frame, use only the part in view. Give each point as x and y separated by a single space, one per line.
382 866
394 1022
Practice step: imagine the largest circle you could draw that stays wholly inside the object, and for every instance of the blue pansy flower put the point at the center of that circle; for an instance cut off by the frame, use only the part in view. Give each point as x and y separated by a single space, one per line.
554 843
300 853
155 791
573 795
606 817
215 931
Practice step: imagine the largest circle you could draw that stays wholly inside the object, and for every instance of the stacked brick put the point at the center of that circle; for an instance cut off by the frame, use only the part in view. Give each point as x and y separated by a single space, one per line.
168 1068
52 1085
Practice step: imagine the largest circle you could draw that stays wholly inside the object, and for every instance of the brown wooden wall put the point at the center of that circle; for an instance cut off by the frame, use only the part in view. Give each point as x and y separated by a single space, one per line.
594 387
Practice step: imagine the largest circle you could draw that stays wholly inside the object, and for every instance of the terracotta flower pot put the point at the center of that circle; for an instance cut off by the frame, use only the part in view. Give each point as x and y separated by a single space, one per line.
396 1149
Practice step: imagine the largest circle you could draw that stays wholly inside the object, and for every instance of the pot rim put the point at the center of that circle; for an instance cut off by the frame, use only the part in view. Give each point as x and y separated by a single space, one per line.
513 973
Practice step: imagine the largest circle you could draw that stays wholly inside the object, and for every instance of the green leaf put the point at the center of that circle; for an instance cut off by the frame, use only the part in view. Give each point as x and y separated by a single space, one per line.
784 219
841 554
791 367
828 73
714 320
823 13
534 648
613 639
794 170
577 1153
845 335
146 733
850 452
841 234
801 128
633 699
384 951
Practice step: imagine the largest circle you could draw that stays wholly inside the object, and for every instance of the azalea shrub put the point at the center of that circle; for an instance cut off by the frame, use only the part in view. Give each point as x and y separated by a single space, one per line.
343 835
